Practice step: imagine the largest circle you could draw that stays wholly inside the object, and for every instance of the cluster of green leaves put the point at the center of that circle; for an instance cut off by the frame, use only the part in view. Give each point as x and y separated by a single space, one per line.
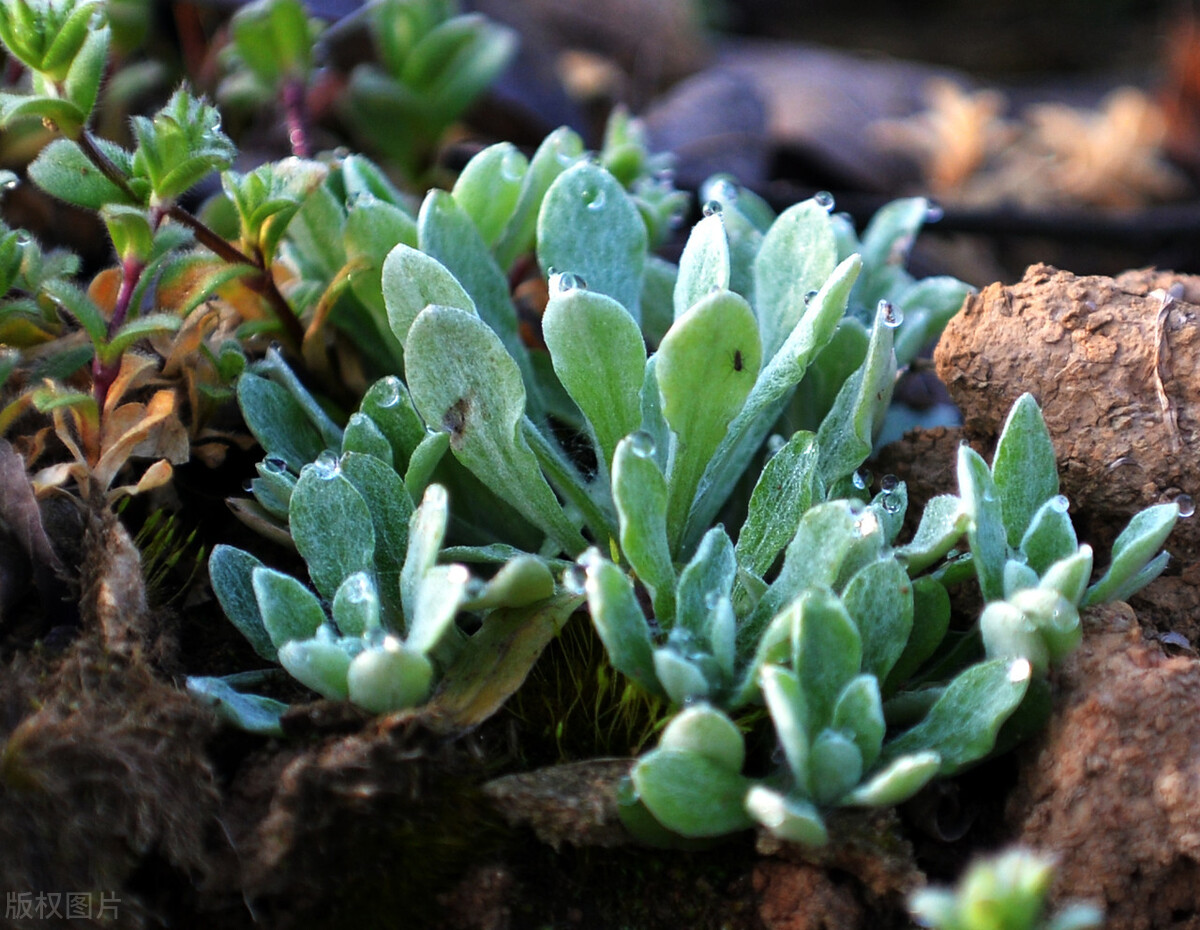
432 64
849 645
1003 892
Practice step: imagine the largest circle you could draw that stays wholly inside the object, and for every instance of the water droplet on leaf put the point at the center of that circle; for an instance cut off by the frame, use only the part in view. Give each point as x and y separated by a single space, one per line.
275 464
10 183
890 502
808 298
642 444
892 315
566 281
1186 505
712 208
774 443
934 212
248 486
1060 503
389 391
1020 670
824 200
596 202
327 466
889 483
575 579
862 479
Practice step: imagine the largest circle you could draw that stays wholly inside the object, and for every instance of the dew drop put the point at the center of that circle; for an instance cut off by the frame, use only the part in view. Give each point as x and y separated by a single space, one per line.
892 315
24 239
824 200
642 444
952 555
712 208
10 183
248 486
389 392
511 167
934 212
596 202
359 588
1020 670
1060 503
564 282
888 483
774 444
723 190
327 466
809 297
1186 505
712 600
275 465
862 479
575 579
890 502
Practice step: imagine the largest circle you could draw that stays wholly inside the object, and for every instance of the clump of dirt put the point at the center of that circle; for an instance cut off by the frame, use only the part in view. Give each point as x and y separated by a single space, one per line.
1113 786
1113 363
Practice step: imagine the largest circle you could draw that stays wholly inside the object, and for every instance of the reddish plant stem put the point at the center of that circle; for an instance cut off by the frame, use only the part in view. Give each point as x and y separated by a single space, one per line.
105 373
296 114
262 283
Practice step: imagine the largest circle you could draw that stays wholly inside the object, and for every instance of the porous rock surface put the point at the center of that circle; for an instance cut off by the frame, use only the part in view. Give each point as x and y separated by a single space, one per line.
1113 786
1115 365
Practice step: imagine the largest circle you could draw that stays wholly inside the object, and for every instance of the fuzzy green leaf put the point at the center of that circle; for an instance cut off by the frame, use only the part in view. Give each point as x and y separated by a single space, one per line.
790 714
1050 536
640 494
289 610
709 575
391 510
879 599
620 623
1024 469
331 526
489 188
859 711
250 712
230 572
278 422
389 678
705 731
413 281
1133 551
789 818
704 265
785 491
943 522
690 794
896 782
317 664
463 381
985 531
589 227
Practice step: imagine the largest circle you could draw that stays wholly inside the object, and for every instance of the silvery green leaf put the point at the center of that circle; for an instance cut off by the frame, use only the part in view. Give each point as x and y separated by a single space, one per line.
789 818
249 712
559 149
425 458
721 633
640 494
798 254
274 367
1054 617
842 355
388 404
704 264
440 593
931 620
600 358
413 281
331 526
985 531
278 422
363 436
447 234
785 490
773 647
426 531
620 622
823 539
273 488
790 714
289 610
489 187
658 298
1070 576
389 678
707 364
230 570
463 381
846 235
709 575
927 306
745 240
962 726
1024 468
890 506
885 246
653 424
835 765
681 677
896 782
525 579
828 653
705 731
1018 576
846 434
317 664
1147 574
588 226
1009 634
373 228
769 396
943 523
868 545
880 600
859 712
691 794
356 605
1132 552
1050 536
391 509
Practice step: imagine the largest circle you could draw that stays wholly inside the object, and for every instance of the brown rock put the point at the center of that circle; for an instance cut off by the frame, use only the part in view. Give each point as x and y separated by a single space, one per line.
1113 787
1113 363
803 897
